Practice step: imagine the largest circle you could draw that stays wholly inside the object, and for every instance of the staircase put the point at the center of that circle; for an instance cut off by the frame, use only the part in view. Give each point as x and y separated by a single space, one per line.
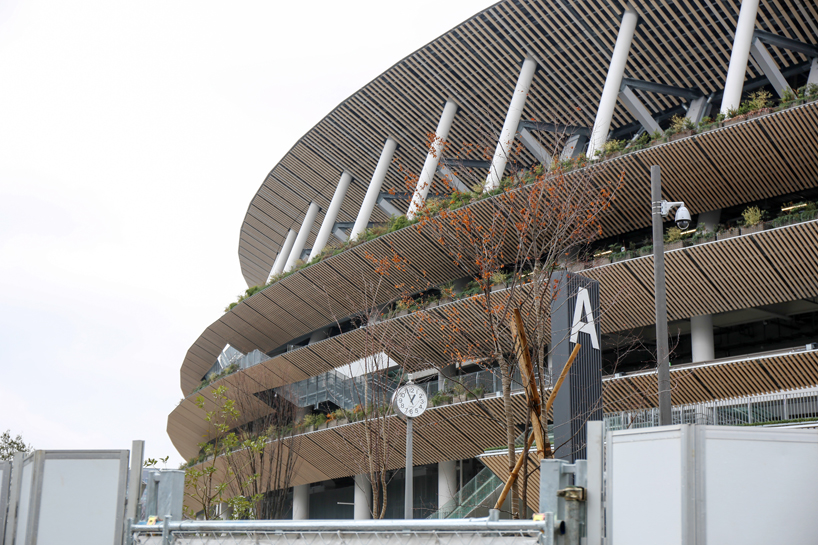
480 493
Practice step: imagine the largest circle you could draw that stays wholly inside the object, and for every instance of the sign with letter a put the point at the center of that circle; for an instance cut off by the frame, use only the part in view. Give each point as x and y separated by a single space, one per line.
575 320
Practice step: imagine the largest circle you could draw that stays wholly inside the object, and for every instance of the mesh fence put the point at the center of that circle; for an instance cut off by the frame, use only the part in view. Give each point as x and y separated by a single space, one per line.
505 537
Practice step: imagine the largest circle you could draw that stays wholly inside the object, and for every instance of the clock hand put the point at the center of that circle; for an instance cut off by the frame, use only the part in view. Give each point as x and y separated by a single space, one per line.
412 399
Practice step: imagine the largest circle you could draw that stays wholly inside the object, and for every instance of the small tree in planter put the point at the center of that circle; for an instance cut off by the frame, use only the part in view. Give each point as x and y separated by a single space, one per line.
789 99
447 294
476 393
758 104
753 218
499 281
620 254
810 212
441 397
340 417
674 239
612 149
657 137
706 124
725 232
702 235
809 92
792 214
681 127
640 143
644 250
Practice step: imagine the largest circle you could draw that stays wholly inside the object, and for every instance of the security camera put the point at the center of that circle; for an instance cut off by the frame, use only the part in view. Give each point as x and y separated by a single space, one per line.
682 218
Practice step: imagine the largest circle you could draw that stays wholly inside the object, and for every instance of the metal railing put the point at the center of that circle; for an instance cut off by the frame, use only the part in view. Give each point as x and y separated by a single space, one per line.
470 496
779 408
350 532
347 393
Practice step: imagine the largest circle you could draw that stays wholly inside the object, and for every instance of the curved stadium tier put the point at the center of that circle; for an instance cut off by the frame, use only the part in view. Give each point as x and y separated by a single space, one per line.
723 96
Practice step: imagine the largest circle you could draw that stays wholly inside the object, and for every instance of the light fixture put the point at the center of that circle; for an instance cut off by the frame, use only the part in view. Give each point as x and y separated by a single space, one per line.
793 207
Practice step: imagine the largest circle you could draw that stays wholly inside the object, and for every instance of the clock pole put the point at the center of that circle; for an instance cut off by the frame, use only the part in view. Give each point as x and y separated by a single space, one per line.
407 513
409 401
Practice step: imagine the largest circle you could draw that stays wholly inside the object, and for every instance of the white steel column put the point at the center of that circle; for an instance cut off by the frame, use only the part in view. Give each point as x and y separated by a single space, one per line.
332 214
509 132
446 482
374 189
616 69
701 338
301 502
427 174
734 84
363 498
301 239
278 266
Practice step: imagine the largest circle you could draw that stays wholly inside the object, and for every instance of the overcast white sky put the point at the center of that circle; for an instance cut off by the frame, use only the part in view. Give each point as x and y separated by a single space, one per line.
132 137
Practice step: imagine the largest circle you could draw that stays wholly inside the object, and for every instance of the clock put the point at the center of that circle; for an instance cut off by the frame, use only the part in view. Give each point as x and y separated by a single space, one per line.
410 401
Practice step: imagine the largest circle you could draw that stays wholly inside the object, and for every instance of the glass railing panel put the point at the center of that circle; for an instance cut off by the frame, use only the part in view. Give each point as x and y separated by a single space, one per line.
763 409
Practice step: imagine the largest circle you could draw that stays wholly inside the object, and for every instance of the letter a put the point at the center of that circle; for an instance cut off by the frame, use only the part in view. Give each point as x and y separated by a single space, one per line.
582 309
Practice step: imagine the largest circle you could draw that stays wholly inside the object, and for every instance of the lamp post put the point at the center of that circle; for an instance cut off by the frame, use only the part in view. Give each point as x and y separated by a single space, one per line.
659 211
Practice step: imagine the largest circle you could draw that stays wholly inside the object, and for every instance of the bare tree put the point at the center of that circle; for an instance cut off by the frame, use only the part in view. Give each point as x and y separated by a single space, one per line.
267 450
536 221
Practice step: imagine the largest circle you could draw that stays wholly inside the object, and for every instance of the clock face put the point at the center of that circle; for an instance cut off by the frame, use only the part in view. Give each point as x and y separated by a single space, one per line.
411 401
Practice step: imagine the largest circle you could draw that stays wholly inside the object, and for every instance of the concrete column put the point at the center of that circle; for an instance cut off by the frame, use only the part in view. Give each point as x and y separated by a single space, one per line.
318 336
638 110
427 174
710 219
813 72
701 338
278 266
225 511
303 234
332 214
509 132
734 84
533 145
301 502
573 147
613 81
764 60
363 498
446 482
374 190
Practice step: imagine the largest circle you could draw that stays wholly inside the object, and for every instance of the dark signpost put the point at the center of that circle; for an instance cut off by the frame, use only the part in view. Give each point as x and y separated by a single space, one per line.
575 319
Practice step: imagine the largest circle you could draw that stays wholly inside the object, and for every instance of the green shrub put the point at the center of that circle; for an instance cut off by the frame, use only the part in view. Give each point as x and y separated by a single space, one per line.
397 222
613 146
476 392
752 215
440 398
674 234
499 278
759 100
680 123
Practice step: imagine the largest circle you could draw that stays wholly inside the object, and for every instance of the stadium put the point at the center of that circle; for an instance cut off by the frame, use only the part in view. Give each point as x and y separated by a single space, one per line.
723 96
